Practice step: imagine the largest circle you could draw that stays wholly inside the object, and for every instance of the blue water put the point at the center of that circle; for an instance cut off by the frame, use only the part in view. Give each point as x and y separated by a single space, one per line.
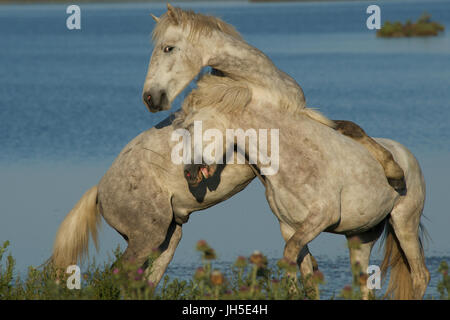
336 273
70 101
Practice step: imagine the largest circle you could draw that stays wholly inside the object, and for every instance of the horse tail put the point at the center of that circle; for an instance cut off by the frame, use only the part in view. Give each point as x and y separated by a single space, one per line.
72 238
400 285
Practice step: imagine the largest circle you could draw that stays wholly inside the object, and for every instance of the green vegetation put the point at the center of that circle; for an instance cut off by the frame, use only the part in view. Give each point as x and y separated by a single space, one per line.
444 285
421 28
250 279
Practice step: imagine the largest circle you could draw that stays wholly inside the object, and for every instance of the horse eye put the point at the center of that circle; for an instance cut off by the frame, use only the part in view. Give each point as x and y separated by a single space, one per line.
168 49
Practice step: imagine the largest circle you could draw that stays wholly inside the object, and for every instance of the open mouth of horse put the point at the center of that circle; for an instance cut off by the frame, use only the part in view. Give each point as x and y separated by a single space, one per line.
197 173
204 170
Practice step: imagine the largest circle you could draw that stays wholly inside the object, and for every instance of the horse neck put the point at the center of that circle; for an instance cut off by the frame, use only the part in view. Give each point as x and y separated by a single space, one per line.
240 61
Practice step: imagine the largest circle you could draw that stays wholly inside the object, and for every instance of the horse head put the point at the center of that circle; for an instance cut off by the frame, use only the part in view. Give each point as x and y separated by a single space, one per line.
181 46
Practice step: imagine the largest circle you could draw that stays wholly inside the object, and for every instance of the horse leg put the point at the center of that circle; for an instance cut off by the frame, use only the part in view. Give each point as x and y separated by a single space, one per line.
143 240
306 263
143 223
167 249
305 233
405 224
360 252
141 245
394 173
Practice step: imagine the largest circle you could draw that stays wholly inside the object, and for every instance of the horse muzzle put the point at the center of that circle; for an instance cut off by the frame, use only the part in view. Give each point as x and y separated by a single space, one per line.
156 101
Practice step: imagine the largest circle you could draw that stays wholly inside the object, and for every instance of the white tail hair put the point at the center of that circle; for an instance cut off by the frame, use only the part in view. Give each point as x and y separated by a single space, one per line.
72 239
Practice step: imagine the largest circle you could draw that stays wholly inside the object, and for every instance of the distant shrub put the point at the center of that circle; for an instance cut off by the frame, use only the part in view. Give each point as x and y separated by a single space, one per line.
421 28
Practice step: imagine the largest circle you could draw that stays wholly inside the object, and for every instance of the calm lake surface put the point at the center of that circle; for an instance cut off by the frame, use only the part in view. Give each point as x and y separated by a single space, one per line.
71 100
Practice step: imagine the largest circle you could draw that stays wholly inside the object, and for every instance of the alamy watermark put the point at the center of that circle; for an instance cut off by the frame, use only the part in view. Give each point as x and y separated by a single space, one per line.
374 20
190 149
73 21
374 279
74 280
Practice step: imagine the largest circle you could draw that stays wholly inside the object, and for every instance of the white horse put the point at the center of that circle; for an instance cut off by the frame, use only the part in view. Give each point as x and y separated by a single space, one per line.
185 42
145 198
325 182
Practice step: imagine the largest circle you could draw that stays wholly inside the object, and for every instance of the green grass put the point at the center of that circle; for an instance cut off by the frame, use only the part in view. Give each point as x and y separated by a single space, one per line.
250 279
421 28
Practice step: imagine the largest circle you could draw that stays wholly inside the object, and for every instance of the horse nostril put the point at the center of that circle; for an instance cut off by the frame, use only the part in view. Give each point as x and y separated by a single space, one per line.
148 101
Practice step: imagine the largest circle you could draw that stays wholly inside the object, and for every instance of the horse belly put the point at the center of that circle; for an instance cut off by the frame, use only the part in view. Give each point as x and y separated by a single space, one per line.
364 207
294 206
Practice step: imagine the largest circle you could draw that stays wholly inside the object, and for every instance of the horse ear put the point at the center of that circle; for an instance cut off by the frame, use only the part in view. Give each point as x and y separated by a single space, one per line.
154 17
171 13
